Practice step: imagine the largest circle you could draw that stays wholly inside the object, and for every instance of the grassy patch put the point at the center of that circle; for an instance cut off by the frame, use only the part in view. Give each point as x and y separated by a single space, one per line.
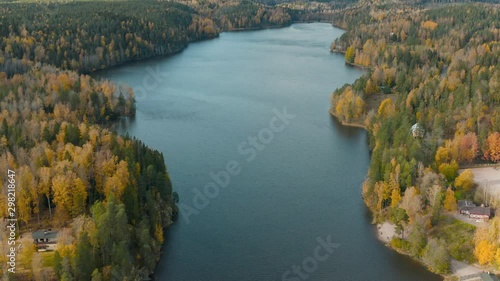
47 259
400 244
373 101
458 237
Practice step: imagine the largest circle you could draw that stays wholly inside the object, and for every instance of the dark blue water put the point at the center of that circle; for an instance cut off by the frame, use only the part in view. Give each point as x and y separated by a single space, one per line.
288 186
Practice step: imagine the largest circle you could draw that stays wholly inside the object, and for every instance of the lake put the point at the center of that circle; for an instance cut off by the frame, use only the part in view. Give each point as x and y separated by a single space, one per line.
269 182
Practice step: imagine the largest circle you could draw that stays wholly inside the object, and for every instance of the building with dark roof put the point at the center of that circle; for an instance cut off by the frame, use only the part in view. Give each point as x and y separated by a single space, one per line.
480 213
475 212
464 206
45 239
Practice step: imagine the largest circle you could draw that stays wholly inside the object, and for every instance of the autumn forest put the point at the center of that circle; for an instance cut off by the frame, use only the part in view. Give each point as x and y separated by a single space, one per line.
111 195
431 65
436 68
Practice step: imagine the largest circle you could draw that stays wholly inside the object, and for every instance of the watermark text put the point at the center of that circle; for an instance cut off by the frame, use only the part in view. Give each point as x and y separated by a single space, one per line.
249 149
11 220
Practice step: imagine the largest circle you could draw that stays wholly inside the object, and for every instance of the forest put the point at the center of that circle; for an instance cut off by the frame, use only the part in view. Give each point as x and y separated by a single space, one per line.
109 196
437 68
89 36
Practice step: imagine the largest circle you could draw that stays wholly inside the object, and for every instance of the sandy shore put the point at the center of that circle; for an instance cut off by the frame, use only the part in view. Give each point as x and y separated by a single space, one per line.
386 231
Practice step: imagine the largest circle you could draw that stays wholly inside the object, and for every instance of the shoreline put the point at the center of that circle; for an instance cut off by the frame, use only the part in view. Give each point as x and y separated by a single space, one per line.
180 50
357 65
143 59
386 231
241 29
347 124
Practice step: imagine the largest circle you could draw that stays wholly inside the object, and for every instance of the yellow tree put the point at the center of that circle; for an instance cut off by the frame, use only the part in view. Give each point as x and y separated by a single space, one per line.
159 233
359 107
349 105
468 147
25 197
485 252
386 107
492 151
350 54
370 87
44 182
378 76
83 155
465 180
450 202
62 187
430 25
394 184
116 184
79 197
105 167
395 197
449 170
443 155
27 251
497 257
382 189
411 100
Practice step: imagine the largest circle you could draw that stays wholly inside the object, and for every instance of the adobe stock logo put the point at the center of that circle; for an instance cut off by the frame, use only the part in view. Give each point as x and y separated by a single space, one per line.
249 149
310 264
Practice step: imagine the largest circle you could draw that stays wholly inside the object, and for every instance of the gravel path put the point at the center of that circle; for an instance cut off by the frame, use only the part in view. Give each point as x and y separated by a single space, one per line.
460 268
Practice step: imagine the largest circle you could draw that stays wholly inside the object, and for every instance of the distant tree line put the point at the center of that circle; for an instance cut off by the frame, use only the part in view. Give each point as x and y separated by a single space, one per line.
86 36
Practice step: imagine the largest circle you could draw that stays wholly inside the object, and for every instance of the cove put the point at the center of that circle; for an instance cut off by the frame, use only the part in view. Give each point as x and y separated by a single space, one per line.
264 198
